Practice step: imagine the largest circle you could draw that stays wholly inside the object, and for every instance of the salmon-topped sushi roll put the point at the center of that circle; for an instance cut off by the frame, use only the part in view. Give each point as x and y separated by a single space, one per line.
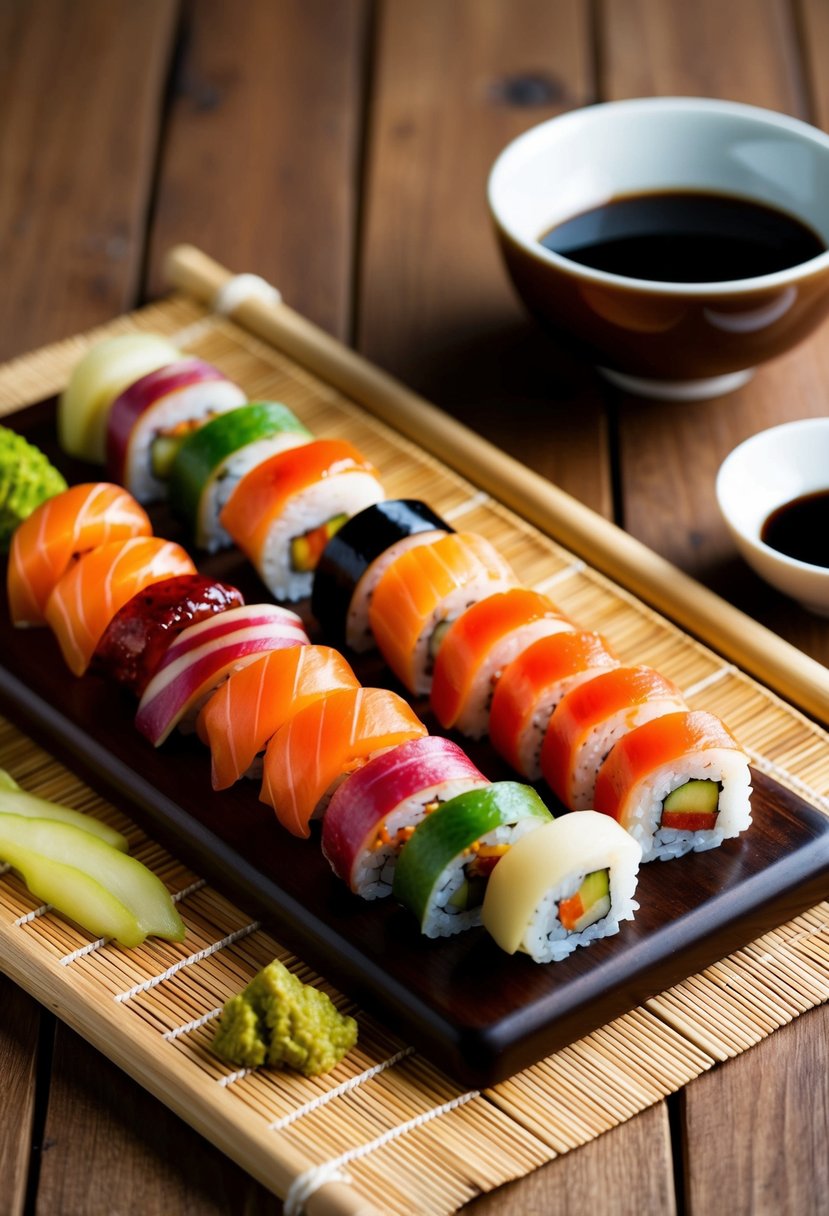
308 756
591 718
59 531
677 784
283 512
532 685
423 591
478 646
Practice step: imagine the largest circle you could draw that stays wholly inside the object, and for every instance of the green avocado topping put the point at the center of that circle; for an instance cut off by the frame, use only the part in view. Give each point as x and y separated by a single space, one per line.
27 478
279 1021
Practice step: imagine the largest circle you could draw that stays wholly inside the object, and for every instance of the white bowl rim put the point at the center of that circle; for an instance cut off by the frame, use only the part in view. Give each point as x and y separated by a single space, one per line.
728 287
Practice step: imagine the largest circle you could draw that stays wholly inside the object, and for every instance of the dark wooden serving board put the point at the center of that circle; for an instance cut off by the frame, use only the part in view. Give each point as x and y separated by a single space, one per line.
476 1011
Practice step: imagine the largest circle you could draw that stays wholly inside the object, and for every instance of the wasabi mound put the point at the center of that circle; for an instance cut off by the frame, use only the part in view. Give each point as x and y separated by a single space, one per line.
281 1022
27 478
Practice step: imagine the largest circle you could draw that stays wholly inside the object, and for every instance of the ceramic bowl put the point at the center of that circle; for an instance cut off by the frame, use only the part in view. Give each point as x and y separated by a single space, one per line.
663 339
763 473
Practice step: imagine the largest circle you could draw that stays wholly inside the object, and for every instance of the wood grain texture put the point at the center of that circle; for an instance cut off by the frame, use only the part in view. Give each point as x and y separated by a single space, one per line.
262 149
19 1021
777 1089
81 92
454 83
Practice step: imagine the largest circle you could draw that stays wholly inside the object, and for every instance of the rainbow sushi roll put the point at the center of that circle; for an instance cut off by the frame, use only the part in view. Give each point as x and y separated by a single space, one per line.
203 656
57 532
591 719
96 380
285 510
443 869
318 746
677 784
355 559
136 639
377 808
532 685
423 591
213 460
148 421
570 883
241 717
479 645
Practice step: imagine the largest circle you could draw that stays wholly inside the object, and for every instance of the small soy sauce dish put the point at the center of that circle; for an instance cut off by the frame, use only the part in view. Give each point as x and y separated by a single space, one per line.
677 241
773 492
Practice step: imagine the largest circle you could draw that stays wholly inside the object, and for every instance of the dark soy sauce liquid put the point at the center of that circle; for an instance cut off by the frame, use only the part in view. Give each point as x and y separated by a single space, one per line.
684 236
800 528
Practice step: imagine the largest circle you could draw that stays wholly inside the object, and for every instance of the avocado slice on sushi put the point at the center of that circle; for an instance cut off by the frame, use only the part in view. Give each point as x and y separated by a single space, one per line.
306 550
692 807
590 903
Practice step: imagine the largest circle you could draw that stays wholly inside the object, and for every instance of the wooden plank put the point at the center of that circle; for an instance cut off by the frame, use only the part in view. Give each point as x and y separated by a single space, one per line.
19 1022
454 84
757 1127
80 92
262 148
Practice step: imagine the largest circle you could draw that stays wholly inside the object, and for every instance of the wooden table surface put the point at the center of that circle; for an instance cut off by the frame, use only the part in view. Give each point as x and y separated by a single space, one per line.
340 149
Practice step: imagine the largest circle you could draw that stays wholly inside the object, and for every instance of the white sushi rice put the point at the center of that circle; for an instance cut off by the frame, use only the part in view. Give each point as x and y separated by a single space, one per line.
338 494
448 610
358 633
225 478
597 746
547 941
197 402
529 745
724 765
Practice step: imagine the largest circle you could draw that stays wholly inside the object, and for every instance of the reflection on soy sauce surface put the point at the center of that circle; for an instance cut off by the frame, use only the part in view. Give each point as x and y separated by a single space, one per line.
800 528
685 236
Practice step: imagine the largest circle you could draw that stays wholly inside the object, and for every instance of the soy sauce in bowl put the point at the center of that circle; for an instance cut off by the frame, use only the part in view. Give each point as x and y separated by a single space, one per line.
800 528
684 236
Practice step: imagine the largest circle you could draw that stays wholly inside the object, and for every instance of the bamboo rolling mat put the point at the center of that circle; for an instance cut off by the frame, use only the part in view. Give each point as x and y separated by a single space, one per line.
385 1130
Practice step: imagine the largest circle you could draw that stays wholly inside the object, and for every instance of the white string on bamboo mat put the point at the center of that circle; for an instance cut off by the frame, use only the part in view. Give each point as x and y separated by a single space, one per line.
196 1024
193 332
305 1184
155 980
708 681
91 947
338 1090
469 504
552 580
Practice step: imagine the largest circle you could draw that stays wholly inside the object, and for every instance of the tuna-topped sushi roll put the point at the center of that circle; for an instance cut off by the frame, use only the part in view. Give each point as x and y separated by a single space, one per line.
376 809
423 591
148 421
677 784
530 688
591 719
569 884
284 511
478 646
355 559
443 869
213 460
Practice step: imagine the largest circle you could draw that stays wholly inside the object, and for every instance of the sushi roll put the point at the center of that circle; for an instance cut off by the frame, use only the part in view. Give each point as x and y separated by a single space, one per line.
678 784
239 719
203 656
443 869
214 458
86 598
354 560
308 756
377 808
423 591
569 884
136 639
591 718
478 646
284 511
57 533
531 687
97 379
148 421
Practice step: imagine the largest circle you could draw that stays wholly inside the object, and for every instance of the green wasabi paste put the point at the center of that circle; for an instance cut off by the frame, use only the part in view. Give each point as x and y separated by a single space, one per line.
281 1022
27 478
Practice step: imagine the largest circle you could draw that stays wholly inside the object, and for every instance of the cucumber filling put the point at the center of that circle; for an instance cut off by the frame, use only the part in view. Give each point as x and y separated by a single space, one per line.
692 806
165 445
306 550
589 904
482 861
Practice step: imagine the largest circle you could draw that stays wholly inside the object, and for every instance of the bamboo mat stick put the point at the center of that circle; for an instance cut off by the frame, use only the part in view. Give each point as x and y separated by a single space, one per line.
608 548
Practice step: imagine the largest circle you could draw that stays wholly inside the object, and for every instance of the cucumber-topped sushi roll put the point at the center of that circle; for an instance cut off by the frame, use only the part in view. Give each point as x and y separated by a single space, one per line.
376 809
591 718
443 869
569 884
284 511
678 784
214 458
148 421
478 646
423 591
355 558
